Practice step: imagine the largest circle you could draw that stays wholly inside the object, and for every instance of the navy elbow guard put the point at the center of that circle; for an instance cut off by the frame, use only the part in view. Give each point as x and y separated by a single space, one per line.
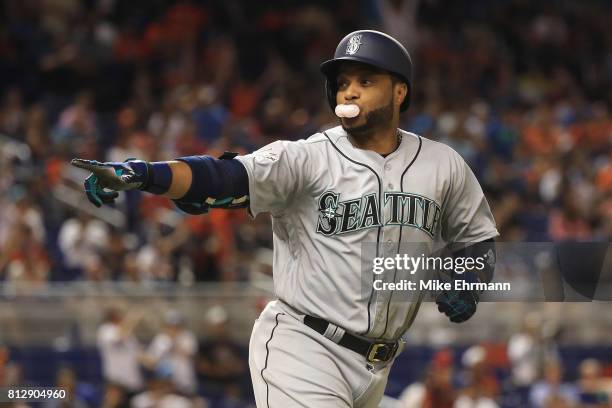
216 183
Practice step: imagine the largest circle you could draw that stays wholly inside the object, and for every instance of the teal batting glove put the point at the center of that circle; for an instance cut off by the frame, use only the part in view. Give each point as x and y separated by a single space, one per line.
113 176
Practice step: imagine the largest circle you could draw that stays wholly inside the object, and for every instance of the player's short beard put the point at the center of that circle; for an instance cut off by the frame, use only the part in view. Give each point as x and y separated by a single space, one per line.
376 119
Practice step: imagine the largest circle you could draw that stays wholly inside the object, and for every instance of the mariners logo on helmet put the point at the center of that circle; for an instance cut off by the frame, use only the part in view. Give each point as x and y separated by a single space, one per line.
353 44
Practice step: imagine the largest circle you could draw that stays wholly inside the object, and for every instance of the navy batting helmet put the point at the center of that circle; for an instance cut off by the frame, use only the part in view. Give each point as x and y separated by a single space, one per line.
372 48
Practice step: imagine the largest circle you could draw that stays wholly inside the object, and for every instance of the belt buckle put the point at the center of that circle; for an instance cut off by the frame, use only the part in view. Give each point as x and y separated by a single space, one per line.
386 349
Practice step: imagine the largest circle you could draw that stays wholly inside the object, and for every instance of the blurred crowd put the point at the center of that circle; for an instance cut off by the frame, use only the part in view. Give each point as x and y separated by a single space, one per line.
175 369
520 89
170 367
527 371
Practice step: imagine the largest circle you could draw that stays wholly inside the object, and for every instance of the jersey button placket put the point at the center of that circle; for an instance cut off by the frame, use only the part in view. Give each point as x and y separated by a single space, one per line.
387 170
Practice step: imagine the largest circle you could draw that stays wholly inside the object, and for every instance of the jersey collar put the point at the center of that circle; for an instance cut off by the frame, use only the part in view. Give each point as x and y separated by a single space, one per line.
341 139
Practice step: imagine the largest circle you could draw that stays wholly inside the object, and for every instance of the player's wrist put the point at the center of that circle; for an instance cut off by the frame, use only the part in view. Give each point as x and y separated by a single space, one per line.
153 177
140 176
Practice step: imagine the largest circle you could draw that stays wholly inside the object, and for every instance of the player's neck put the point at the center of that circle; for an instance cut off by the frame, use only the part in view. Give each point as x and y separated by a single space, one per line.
383 142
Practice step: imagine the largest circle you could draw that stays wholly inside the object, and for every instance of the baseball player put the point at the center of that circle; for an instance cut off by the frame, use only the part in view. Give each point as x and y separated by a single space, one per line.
325 342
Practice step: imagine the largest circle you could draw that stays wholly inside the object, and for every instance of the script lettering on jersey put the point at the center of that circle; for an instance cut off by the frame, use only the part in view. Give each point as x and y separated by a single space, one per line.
411 210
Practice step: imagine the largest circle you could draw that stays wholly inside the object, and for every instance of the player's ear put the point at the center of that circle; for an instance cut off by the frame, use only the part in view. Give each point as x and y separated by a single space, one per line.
400 92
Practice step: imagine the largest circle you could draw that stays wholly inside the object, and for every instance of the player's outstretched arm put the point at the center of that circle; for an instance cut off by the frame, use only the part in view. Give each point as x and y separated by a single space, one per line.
195 183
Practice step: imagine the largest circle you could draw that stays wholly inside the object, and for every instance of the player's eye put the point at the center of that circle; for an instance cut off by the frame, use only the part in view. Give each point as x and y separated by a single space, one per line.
342 84
366 82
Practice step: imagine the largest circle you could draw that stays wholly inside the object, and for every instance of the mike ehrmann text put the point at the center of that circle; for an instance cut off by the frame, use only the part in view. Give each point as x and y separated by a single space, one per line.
437 285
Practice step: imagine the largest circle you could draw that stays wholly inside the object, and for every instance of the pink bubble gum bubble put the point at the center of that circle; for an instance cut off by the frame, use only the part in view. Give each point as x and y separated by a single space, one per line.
347 111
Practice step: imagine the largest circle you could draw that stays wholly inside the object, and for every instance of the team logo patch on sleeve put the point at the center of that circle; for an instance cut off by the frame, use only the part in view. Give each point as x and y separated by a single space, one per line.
267 153
353 44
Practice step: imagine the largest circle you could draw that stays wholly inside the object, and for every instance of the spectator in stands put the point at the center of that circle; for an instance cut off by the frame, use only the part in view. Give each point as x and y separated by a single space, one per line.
12 116
160 393
593 388
11 373
551 391
526 354
114 397
399 19
4 361
233 397
66 379
82 239
221 363
36 134
120 351
77 122
21 211
24 260
173 351
481 388
437 390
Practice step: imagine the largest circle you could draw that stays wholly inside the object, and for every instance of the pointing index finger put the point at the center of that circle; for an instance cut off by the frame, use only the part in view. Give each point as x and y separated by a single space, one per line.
85 164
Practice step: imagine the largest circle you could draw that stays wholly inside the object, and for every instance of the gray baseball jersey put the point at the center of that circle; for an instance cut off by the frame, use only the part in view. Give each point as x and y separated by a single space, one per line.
327 197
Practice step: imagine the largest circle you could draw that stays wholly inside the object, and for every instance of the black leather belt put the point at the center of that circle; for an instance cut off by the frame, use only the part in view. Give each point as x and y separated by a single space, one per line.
373 352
